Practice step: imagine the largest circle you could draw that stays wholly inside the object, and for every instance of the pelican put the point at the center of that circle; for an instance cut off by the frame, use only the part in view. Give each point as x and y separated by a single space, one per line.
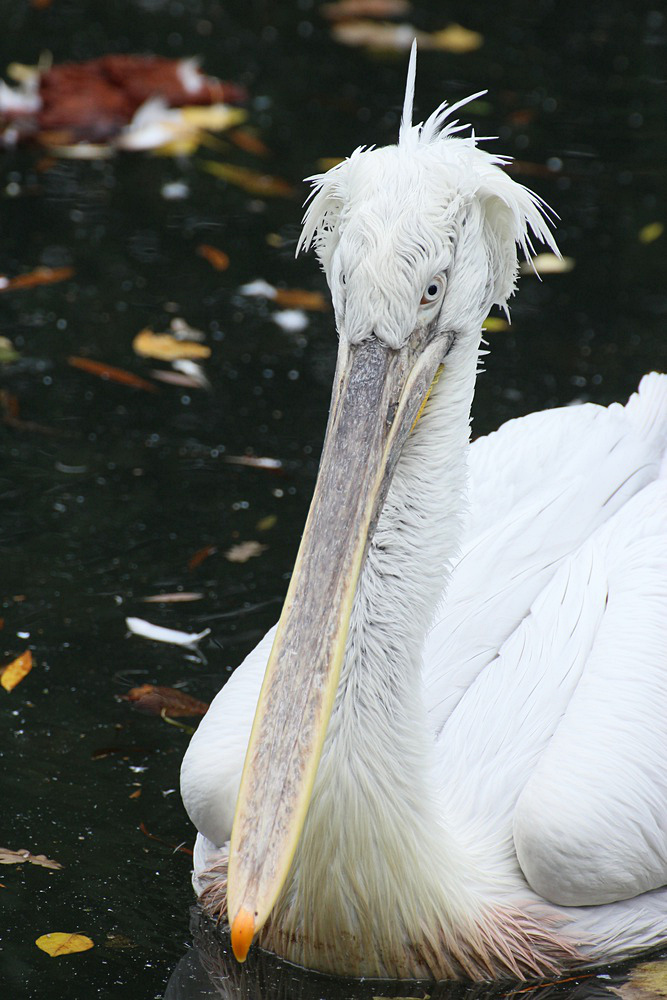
455 739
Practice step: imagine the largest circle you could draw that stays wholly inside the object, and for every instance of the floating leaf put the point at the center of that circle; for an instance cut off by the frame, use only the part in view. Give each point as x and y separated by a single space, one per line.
136 794
243 551
653 231
252 181
180 379
286 297
166 347
198 558
59 943
111 374
291 320
300 298
160 634
156 700
547 263
495 324
384 36
175 598
15 671
217 258
182 330
457 39
7 351
74 151
266 523
344 9
40 276
8 857
248 140
174 847
255 462
175 131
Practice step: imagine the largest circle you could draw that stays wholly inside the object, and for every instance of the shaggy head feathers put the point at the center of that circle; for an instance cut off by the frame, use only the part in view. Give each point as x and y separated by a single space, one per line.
385 221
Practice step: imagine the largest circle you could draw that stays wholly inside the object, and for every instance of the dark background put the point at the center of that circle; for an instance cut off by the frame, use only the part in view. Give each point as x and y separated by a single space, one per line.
110 495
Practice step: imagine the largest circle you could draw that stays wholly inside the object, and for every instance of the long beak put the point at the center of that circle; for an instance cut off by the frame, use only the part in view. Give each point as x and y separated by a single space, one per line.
377 397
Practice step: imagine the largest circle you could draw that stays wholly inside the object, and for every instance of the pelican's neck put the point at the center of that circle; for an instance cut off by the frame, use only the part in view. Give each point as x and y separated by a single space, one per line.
375 855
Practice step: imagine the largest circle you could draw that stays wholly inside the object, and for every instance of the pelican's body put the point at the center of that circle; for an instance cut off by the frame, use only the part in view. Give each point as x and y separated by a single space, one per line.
488 796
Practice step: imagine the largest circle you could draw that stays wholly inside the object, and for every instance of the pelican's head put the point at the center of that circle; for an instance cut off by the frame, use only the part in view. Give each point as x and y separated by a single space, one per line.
418 241
426 229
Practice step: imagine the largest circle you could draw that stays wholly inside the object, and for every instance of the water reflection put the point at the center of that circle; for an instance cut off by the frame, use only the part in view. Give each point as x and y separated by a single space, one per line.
209 970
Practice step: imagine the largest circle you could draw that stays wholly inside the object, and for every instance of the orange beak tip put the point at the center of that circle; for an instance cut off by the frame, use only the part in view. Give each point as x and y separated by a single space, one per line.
243 931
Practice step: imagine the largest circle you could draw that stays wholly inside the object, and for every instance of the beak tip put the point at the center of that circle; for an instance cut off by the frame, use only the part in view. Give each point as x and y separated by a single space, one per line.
243 931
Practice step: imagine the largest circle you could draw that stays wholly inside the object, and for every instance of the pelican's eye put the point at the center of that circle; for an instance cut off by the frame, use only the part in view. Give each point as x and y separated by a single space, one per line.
433 290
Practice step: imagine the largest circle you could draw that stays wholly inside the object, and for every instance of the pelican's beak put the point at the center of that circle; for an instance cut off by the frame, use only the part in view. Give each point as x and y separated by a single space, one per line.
377 397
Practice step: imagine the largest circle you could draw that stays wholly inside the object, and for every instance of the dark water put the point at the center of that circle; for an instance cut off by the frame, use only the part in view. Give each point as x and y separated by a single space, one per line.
108 491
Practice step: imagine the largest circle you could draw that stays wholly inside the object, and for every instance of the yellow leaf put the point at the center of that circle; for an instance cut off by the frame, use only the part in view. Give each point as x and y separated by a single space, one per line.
58 943
455 38
266 523
165 347
15 671
495 324
252 181
653 231
216 117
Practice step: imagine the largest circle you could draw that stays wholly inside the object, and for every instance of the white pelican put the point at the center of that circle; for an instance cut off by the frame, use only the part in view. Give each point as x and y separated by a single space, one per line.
457 767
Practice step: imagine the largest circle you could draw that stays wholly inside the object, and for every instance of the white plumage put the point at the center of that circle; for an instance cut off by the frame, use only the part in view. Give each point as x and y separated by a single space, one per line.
491 797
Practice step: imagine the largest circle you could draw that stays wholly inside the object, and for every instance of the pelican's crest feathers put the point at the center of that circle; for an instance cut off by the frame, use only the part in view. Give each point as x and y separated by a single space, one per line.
432 174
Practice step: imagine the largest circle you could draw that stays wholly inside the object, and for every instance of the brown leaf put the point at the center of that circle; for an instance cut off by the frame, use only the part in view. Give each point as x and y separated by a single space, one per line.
243 551
248 140
344 9
155 700
166 347
59 943
40 276
251 181
8 857
152 836
111 374
15 671
198 558
135 794
299 298
217 258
